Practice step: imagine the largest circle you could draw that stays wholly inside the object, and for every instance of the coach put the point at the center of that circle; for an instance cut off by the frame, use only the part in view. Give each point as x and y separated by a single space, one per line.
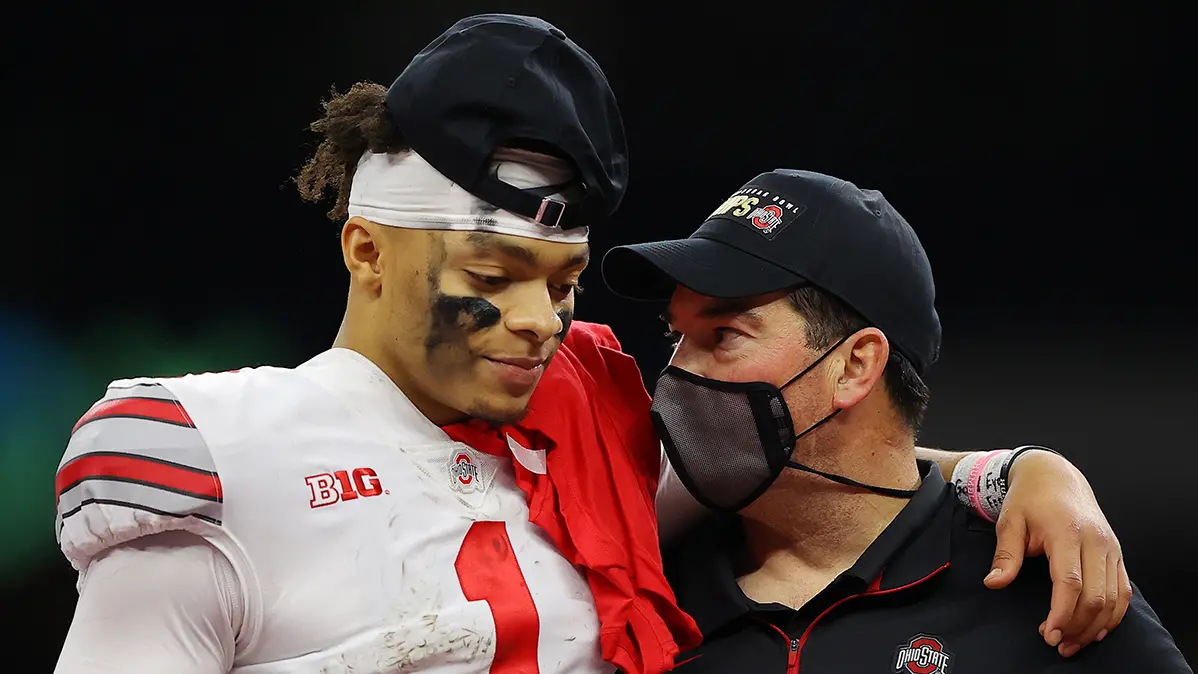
804 310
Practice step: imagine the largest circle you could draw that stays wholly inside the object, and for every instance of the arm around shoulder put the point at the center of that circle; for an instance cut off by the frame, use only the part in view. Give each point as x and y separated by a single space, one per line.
1140 644
168 602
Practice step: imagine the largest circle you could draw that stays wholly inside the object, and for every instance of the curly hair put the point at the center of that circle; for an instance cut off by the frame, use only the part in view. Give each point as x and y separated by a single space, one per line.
353 123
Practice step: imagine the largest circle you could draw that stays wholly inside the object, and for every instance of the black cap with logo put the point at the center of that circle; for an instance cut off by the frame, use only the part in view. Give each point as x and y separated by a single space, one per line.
789 228
493 79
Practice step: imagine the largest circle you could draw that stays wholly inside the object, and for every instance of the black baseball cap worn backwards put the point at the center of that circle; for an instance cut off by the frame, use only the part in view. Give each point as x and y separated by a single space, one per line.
786 229
493 79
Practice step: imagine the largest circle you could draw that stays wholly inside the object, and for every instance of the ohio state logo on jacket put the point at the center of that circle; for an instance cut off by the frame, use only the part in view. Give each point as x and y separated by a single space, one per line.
923 654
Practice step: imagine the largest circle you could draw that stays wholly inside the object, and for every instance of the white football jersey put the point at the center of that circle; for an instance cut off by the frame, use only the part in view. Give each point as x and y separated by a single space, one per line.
364 539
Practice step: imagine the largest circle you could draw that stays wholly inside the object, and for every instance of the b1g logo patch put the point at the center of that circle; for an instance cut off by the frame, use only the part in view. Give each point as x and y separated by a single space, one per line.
343 485
765 212
924 654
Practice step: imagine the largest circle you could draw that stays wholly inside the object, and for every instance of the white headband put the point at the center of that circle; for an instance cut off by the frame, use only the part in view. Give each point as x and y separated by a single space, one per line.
401 189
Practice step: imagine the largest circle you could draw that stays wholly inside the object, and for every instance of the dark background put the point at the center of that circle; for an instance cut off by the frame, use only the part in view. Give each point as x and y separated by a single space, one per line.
1037 151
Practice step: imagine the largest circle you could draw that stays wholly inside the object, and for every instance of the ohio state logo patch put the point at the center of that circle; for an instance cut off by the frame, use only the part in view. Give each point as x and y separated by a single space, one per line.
463 473
766 219
766 212
923 654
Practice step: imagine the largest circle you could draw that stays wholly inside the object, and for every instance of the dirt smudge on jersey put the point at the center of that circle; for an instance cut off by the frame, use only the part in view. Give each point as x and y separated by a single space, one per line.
429 643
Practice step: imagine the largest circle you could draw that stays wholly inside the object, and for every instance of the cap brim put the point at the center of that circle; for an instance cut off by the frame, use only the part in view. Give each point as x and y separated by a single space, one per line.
651 271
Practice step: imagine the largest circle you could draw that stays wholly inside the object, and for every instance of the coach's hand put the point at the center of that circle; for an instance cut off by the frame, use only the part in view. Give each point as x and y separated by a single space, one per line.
1050 509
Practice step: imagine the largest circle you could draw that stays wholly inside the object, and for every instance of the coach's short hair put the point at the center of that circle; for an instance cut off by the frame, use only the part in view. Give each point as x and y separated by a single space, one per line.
828 319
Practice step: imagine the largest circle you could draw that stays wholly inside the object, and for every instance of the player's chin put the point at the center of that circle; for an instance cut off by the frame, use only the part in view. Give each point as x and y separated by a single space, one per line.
499 399
499 410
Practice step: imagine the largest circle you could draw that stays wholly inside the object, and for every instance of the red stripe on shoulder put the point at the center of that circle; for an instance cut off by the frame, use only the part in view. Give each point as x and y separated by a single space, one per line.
151 409
170 477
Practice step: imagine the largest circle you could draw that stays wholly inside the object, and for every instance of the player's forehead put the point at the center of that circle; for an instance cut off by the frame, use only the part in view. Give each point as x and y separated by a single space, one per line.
528 252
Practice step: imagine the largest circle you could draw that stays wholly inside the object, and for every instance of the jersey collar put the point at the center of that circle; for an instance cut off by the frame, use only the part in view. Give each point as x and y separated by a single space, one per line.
369 393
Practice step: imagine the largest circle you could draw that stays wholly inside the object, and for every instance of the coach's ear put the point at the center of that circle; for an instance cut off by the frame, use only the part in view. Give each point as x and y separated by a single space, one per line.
360 251
859 361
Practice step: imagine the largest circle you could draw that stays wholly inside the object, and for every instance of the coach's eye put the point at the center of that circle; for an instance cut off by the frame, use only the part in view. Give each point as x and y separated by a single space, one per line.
725 335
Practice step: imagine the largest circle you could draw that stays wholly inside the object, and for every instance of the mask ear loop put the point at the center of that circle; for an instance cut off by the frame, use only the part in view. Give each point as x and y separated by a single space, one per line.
884 491
816 362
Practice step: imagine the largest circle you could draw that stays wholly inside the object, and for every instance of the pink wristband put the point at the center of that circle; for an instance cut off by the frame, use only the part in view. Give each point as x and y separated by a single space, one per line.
975 475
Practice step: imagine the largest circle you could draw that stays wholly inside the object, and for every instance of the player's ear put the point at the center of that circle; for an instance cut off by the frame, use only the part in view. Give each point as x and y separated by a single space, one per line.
863 358
360 251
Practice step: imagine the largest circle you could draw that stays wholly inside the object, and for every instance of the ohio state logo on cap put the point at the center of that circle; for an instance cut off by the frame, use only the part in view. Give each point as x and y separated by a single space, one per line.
766 218
765 211
923 654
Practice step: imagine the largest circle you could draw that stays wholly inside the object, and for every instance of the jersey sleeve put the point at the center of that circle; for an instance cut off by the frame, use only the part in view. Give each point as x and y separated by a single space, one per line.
135 465
162 603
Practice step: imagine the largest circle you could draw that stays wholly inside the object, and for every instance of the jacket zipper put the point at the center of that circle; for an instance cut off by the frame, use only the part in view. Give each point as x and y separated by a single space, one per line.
795 646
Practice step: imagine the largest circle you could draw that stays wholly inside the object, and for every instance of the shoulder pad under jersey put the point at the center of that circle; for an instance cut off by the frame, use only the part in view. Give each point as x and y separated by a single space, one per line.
135 465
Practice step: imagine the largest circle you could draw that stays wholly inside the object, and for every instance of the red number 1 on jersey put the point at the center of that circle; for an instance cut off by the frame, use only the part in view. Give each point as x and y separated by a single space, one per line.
488 571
